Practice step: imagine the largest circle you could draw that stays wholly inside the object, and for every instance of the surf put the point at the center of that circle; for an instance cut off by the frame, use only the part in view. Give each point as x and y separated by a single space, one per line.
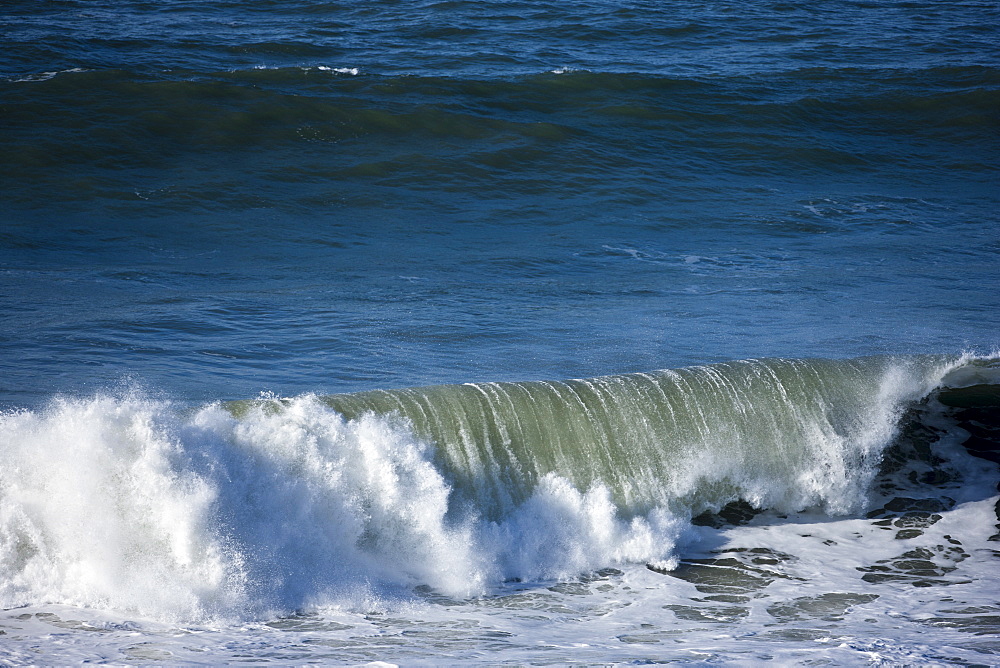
248 509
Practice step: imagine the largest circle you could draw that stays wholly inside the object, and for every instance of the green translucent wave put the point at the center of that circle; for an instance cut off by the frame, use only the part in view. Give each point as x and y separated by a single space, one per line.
777 433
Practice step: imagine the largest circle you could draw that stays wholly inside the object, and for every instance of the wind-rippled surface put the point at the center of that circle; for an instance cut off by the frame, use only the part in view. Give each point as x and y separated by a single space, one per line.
339 196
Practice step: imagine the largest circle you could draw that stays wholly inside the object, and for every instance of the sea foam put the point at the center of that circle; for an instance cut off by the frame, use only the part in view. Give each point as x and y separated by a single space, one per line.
129 503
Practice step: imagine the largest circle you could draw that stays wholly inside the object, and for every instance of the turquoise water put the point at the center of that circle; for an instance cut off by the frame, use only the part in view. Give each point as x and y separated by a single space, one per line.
292 291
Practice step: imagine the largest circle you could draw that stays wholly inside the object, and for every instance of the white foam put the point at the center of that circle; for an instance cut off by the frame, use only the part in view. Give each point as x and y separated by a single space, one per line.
353 71
561 532
121 503
128 504
45 76
96 510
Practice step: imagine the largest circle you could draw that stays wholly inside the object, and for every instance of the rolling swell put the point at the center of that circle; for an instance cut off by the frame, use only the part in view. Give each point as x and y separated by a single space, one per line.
265 506
316 125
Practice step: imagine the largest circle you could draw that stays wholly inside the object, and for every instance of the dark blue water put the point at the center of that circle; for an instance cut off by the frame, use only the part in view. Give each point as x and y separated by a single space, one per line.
210 200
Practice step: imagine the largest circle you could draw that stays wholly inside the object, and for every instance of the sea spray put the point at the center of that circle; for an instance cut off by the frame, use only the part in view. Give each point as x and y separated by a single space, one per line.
250 509
323 503
107 500
99 507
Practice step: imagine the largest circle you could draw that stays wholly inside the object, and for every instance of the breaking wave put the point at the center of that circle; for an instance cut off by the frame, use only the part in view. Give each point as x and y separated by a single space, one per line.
252 508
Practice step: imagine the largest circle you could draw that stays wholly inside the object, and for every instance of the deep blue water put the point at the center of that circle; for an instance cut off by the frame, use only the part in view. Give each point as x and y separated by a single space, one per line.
210 200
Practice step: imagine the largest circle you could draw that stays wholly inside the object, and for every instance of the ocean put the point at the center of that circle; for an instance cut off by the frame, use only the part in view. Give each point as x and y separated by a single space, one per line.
504 332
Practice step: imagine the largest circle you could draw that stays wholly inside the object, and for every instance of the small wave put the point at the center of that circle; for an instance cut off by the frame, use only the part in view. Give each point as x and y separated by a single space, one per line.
45 76
353 71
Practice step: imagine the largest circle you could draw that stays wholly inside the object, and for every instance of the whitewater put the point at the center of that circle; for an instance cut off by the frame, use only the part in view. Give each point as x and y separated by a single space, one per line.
800 501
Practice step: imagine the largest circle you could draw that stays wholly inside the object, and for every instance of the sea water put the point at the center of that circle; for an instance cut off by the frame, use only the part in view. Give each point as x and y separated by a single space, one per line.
438 332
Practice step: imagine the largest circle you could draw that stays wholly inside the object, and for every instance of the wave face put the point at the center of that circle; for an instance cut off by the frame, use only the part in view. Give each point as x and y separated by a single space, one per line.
258 507
777 433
